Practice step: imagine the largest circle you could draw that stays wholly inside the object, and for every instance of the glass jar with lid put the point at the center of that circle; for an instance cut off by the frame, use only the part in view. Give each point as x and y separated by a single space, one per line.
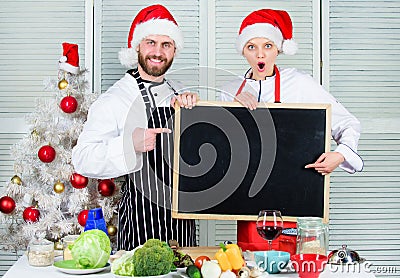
67 241
312 236
41 252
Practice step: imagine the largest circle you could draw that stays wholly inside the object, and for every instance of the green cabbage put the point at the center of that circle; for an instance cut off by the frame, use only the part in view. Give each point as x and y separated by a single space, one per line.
124 265
91 249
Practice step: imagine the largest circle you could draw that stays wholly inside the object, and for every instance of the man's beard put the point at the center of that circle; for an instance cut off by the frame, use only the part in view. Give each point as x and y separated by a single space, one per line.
154 71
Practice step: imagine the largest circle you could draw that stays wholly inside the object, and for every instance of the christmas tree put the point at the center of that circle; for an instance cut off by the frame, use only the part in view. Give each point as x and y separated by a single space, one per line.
46 198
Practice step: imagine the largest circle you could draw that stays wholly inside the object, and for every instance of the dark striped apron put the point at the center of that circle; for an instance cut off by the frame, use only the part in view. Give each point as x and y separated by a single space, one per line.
277 86
145 206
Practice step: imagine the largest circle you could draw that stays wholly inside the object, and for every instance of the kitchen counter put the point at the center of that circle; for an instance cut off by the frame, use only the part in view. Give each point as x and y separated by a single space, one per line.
22 269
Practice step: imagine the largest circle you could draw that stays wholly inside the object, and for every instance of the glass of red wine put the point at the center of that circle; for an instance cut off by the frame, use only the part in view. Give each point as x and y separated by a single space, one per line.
269 225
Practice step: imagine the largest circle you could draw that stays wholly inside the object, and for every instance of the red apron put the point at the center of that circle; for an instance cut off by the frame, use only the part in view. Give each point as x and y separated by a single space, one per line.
277 85
247 236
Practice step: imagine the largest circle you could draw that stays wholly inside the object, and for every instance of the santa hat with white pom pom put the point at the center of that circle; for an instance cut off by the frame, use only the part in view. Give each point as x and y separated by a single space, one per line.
152 20
70 60
274 25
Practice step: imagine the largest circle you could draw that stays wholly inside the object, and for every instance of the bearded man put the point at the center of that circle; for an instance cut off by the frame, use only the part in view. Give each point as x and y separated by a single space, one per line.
129 133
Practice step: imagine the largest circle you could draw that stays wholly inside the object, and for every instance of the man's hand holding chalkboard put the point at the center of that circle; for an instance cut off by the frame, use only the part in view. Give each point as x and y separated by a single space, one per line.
187 100
327 162
144 139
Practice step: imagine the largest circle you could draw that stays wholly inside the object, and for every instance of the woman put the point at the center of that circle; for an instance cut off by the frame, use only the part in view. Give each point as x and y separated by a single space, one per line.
263 35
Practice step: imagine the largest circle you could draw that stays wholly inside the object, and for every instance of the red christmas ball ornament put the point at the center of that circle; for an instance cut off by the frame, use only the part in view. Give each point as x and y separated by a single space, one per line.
7 204
69 104
31 214
106 187
47 154
82 217
78 181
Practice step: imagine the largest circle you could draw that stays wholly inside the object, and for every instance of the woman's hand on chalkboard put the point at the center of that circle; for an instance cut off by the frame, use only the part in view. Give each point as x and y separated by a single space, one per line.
144 139
327 162
186 100
247 99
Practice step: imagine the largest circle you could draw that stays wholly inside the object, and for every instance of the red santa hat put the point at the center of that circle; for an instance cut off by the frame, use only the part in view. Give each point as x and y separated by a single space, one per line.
274 25
70 60
153 20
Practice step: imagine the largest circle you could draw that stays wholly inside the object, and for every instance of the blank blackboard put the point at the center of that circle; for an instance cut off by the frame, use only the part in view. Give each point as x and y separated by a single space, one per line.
230 162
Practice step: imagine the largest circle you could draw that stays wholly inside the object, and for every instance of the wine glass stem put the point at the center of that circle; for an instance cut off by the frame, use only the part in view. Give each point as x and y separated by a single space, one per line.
269 244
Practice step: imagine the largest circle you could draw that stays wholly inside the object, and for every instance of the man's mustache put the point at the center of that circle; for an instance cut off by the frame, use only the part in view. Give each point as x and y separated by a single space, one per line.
161 58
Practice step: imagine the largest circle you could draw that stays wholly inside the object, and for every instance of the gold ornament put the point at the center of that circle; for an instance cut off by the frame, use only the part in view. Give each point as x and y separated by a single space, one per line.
34 133
16 180
112 230
62 84
58 245
58 187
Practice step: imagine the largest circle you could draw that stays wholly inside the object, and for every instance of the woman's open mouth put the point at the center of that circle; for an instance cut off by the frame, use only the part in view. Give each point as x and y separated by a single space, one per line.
261 66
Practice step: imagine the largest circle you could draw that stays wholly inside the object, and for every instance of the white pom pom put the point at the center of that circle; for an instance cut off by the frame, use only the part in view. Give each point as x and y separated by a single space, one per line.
63 59
128 57
289 47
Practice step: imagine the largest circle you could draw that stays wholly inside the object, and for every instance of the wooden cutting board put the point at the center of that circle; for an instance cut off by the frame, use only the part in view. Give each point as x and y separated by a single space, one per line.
194 252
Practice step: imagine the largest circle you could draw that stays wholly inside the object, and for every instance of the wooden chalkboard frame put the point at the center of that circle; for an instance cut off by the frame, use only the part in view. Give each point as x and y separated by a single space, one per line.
211 216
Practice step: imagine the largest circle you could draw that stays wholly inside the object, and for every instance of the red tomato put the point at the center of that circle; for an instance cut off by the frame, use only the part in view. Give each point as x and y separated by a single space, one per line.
198 262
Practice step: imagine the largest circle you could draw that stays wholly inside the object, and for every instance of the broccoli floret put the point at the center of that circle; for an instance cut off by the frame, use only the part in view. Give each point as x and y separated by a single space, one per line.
154 258
155 242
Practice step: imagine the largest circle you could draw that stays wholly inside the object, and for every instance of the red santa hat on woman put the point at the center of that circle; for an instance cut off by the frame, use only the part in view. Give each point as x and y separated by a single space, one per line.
153 20
70 60
274 25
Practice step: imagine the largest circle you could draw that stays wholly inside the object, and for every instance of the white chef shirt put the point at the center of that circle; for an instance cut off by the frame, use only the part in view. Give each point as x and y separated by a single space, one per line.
105 147
299 87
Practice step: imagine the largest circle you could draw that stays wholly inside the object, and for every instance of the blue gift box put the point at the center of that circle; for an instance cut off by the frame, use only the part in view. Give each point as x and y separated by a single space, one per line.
96 220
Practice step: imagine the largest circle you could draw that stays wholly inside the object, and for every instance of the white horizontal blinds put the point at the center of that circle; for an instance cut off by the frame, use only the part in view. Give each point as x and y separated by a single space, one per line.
225 230
364 75
214 232
365 209
31 36
116 19
364 56
229 16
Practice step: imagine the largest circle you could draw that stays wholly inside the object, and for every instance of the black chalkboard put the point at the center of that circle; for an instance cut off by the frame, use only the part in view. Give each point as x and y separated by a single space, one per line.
231 162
